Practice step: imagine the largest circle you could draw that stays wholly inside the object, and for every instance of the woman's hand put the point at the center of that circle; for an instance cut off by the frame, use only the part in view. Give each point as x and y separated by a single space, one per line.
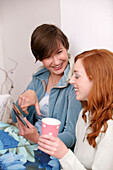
29 132
52 146
28 98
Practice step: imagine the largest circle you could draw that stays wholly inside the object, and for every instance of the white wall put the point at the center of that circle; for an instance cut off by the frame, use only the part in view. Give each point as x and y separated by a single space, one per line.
2 75
88 24
18 20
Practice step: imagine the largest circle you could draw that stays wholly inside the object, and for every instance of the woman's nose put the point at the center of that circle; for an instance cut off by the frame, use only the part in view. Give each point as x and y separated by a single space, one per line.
72 81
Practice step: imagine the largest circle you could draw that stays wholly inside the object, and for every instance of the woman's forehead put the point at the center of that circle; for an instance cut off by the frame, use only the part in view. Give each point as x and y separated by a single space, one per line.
78 66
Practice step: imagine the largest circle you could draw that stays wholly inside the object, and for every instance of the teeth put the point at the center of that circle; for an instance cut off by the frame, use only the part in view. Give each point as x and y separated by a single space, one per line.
58 66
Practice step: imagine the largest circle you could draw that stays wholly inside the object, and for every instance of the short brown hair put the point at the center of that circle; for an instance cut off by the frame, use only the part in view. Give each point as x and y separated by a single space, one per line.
45 40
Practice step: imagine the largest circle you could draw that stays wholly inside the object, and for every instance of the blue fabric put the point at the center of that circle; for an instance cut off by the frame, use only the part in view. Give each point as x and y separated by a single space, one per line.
46 161
16 153
6 141
10 161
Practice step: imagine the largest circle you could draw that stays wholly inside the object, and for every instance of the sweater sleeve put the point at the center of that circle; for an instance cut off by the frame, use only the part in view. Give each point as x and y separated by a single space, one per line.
104 155
103 159
68 134
70 161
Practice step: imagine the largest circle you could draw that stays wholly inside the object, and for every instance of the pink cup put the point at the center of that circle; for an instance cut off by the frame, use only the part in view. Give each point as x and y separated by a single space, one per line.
50 126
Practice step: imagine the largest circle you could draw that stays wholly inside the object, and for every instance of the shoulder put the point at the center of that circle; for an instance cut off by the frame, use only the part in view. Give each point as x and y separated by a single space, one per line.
38 70
108 135
110 125
109 128
80 119
42 73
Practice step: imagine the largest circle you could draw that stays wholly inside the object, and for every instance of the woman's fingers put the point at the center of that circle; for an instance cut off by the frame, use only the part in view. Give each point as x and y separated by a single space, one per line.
30 126
48 144
52 138
37 108
48 151
27 99
28 123
20 127
29 132
23 104
47 141
52 146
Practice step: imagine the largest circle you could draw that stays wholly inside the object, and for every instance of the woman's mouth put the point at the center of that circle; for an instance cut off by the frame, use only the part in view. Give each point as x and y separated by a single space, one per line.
76 91
58 67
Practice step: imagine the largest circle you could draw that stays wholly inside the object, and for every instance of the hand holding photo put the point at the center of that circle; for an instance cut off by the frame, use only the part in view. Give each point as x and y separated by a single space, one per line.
50 126
19 114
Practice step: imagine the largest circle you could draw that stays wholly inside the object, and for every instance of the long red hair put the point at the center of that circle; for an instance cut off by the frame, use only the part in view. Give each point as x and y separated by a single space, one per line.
98 64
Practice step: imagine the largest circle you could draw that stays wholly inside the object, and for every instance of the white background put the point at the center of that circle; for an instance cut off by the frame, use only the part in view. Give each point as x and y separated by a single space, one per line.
87 23
18 19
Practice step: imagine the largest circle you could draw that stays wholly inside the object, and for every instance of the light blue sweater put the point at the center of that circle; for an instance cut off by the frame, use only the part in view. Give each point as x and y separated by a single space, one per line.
62 102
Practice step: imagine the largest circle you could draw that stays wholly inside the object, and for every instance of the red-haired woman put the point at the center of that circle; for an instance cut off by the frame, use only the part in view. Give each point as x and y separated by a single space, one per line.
93 83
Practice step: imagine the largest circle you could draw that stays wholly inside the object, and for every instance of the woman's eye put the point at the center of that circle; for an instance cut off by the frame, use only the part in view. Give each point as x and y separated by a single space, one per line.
59 51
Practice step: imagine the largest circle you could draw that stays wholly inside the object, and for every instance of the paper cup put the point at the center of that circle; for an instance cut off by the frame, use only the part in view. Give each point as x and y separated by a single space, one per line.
50 126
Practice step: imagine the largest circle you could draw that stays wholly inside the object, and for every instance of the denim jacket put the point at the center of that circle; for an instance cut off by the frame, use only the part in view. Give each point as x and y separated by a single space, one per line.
62 102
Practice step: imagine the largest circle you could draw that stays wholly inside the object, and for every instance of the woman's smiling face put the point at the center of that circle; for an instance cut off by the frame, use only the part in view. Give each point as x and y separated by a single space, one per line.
81 81
57 62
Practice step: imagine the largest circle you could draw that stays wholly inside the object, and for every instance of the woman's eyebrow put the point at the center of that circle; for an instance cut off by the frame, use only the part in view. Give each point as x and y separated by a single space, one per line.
59 49
78 72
